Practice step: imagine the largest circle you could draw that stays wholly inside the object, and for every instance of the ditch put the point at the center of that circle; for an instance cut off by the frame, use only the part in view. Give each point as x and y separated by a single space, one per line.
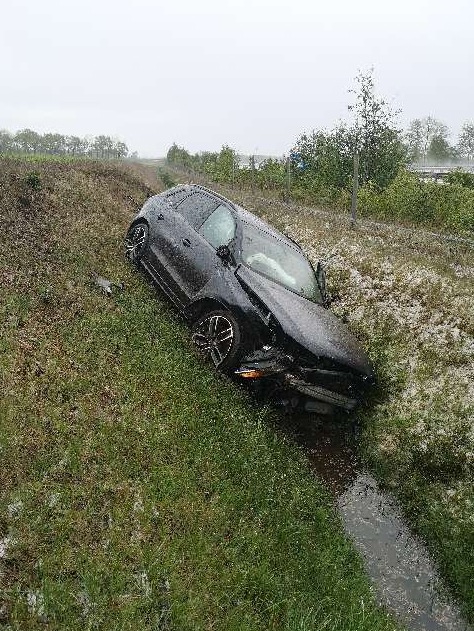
405 578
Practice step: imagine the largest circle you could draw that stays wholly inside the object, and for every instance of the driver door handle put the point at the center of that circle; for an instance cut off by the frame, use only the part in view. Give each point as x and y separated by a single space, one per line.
186 242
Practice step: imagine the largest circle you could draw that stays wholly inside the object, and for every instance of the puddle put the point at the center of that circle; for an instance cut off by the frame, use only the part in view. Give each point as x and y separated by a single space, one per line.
404 576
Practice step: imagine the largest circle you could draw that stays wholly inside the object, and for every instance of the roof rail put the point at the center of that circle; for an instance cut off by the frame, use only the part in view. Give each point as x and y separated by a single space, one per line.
209 190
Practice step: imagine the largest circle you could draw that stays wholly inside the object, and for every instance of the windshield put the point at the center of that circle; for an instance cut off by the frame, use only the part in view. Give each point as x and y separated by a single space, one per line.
280 262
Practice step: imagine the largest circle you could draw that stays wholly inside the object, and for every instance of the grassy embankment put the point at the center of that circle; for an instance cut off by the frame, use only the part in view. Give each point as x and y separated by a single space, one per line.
140 490
408 295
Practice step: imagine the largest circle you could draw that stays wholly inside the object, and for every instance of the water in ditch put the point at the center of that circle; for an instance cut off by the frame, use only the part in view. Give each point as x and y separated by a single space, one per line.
405 578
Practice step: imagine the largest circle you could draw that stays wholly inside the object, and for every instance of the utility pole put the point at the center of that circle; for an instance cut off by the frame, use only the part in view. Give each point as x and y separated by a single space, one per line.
355 188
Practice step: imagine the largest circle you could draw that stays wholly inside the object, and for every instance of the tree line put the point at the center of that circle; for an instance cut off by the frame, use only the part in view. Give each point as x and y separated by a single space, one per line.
320 164
427 141
323 159
28 141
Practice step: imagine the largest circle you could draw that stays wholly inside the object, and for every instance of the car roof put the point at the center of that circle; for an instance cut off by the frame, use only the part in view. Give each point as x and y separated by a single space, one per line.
249 217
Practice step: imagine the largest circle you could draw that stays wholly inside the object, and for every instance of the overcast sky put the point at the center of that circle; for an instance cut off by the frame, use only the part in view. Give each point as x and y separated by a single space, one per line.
203 73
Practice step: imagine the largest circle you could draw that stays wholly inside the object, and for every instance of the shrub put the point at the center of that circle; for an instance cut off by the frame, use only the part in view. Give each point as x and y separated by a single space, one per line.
33 180
460 177
448 205
166 178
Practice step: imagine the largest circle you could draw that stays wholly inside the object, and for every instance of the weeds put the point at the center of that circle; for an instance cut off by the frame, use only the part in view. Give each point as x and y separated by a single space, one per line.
166 178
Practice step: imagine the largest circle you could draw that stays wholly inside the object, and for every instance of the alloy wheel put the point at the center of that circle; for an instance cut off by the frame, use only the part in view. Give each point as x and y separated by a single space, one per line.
214 336
135 240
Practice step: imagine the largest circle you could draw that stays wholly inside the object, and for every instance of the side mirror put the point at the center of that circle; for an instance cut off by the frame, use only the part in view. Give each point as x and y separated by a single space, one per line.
224 253
321 280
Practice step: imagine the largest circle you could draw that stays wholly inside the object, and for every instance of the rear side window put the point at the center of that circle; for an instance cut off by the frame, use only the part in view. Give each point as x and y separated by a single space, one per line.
219 228
196 208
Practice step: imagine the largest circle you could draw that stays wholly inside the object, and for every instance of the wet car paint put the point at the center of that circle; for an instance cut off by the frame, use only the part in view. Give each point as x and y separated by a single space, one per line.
309 324
188 269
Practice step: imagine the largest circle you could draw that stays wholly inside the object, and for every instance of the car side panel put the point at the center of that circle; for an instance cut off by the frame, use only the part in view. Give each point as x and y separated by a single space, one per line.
224 287
196 262
163 249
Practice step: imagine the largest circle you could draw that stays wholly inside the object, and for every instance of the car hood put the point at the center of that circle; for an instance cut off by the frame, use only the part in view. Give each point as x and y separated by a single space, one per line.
307 323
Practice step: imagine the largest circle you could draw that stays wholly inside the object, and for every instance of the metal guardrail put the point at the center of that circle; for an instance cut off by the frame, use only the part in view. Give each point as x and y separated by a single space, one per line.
440 170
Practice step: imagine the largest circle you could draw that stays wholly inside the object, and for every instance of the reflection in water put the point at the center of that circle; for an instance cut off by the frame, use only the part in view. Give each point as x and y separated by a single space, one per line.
404 575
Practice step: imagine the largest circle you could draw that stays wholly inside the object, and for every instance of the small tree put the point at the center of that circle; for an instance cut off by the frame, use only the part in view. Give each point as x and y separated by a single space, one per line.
207 162
328 156
440 150
271 173
6 141
422 133
178 156
226 164
377 139
414 141
466 141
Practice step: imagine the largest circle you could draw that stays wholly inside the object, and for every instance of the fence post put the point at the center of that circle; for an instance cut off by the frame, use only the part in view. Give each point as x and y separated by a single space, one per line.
288 179
355 188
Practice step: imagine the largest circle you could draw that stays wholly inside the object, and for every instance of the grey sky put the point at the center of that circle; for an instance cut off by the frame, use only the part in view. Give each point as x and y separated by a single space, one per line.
203 73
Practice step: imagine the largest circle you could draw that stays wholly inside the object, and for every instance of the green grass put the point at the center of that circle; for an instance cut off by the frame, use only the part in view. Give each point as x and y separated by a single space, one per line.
139 489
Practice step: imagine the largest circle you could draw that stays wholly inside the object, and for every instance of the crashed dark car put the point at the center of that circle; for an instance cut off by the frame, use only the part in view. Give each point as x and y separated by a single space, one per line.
257 307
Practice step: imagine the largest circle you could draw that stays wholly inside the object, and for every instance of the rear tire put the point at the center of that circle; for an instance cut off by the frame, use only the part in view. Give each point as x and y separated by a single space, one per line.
219 336
136 241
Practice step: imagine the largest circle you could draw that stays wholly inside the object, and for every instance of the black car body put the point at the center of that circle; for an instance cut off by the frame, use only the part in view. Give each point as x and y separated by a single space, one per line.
256 305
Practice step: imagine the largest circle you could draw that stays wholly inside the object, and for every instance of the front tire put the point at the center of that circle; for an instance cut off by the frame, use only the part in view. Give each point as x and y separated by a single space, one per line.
136 241
219 336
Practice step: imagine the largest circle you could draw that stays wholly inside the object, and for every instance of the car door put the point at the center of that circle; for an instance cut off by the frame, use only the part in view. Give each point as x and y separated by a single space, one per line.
163 230
174 243
198 258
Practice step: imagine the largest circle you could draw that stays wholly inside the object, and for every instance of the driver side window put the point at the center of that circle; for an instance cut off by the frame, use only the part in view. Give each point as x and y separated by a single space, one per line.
219 227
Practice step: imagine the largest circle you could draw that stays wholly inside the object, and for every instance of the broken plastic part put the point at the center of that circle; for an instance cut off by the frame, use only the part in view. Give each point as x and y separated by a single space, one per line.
265 361
106 285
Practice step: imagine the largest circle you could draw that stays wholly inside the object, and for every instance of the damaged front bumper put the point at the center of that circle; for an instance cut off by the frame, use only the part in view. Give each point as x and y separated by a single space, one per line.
314 386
